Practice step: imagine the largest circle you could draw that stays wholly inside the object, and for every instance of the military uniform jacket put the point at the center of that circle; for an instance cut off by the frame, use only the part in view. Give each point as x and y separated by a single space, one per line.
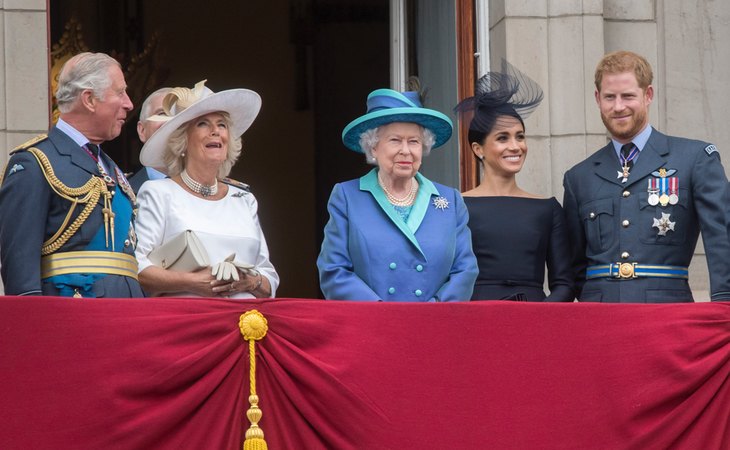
30 213
138 179
614 222
370 253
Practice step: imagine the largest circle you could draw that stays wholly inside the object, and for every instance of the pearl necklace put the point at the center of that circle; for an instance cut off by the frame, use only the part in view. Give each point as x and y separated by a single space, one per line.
406 200
199 188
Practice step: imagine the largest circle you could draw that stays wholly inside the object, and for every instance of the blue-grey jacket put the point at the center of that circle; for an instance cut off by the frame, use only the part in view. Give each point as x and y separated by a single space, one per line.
613 222
370 253
31 212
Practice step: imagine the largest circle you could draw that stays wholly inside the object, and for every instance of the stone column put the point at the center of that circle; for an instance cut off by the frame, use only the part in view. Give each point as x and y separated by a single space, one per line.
23 74
24 68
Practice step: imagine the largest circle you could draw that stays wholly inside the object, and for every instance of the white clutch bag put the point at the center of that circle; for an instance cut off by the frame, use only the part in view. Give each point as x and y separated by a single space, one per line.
183 253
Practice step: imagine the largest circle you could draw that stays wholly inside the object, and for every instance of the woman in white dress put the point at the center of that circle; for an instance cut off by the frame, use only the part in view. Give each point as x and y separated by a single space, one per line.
196 147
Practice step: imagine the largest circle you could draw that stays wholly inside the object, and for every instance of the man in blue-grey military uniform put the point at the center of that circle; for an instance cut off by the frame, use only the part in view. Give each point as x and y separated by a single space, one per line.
636 207
66 209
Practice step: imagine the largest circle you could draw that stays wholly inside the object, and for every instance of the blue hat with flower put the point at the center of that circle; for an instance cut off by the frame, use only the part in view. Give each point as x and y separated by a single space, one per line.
388 106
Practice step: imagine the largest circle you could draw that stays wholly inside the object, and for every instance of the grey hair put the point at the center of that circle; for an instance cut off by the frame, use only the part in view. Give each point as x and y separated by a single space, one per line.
177 145
144 112
84 71
369 139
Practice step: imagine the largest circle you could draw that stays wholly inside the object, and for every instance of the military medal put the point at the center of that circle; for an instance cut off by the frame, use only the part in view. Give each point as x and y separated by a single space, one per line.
132 235
664 225
624 174
663 197
99 166
673 190
625 160
126 187
107 179
653 191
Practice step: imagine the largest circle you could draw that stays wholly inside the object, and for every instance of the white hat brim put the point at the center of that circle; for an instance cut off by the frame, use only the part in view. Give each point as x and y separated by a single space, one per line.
243 105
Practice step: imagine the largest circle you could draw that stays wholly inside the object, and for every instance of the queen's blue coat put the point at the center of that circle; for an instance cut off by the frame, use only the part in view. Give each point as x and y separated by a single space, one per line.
370 253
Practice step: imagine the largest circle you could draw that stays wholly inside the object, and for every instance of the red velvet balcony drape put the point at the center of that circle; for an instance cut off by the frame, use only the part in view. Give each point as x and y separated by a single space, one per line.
173 374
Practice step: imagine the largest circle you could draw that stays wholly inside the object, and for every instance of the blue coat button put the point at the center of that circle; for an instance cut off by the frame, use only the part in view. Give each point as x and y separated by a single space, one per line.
419 268
418 293
392 266
391 290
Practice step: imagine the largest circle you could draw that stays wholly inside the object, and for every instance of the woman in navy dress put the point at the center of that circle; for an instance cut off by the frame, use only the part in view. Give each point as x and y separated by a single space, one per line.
515 233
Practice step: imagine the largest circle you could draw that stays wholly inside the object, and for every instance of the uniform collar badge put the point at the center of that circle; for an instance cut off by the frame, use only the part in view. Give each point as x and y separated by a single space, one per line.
664 172
16 168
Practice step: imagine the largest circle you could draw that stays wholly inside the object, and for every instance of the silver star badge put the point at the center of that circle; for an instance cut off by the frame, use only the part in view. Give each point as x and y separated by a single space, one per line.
663 225
440 203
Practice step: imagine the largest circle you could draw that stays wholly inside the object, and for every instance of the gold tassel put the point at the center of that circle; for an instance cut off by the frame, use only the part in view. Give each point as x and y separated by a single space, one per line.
108 218
253 327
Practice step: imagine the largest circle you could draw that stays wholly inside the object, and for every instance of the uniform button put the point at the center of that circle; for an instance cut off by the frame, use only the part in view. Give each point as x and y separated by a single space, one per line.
592 215
625 223
127 243
391 290
419 268
626 193
418 293
625 255
392 266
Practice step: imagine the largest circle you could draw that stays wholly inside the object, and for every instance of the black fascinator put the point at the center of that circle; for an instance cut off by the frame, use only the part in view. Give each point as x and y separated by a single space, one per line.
505 93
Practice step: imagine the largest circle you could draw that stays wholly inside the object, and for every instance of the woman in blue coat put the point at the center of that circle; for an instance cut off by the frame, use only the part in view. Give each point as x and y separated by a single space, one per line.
393 235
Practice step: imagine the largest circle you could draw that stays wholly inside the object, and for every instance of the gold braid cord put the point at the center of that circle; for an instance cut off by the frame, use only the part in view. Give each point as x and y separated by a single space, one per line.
88 194
253 327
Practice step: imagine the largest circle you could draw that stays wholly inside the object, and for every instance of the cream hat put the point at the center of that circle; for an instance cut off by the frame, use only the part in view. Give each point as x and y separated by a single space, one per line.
182 105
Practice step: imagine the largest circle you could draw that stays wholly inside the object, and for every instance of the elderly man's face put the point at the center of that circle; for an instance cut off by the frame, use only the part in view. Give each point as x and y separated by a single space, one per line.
145 128
111 113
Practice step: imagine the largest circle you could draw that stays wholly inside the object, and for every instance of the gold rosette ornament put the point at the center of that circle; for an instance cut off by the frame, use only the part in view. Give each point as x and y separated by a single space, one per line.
253 327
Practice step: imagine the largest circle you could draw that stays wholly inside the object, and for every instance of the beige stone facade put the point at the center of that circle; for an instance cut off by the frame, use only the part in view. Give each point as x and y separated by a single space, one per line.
557 42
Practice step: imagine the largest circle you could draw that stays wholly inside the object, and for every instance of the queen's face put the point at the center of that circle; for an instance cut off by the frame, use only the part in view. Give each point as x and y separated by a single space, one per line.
505 147
207 140
399 150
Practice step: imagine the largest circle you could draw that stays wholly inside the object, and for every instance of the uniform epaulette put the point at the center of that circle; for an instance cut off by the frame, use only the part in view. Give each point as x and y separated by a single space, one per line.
237 184
710 149
29 143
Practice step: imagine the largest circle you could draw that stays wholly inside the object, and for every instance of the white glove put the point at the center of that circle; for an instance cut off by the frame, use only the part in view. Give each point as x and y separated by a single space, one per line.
225 270
244 267
228 269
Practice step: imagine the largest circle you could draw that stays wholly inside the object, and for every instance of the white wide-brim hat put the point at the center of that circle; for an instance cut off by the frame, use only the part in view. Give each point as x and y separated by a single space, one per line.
182 105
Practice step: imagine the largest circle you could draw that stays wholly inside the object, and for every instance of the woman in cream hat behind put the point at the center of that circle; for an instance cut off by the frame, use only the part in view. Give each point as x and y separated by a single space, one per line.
196 147
393 235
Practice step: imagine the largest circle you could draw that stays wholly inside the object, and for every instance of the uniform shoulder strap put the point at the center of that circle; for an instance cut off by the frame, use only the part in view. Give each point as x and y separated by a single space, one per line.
235 183
30 143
